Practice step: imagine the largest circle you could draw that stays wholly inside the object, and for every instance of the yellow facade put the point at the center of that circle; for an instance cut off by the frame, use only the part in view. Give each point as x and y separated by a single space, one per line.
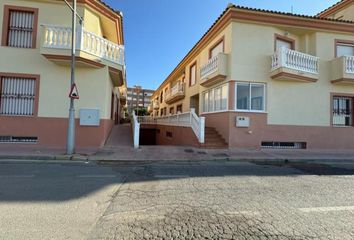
94 84
294 98
96 78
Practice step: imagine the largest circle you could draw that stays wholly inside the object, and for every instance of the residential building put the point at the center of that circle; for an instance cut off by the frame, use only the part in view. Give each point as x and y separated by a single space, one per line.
138 98
35 61
270 79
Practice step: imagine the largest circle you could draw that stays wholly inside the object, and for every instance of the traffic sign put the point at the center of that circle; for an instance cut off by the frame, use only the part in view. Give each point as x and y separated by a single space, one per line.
74 93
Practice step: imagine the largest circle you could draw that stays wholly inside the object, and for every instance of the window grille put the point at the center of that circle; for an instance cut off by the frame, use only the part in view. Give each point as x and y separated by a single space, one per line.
17 96
20 32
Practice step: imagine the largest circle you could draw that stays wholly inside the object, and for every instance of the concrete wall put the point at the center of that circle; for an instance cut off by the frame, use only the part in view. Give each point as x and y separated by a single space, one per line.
181 136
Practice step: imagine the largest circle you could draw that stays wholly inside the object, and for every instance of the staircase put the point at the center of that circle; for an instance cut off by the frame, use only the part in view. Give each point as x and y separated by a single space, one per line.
213 139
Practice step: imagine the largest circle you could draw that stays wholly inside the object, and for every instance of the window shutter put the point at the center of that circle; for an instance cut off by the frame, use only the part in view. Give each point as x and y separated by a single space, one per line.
20 29
17 96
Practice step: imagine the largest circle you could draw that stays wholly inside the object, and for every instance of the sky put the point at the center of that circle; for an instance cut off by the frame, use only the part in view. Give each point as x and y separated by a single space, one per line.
159 33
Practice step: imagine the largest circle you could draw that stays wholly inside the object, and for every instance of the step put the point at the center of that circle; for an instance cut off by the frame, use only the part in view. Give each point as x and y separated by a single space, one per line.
214 146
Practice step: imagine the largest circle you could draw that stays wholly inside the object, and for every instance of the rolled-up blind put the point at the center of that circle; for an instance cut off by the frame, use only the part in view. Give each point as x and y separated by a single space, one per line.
17 96
20 29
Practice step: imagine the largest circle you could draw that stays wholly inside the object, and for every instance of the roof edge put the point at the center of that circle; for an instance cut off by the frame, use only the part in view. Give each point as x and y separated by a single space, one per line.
335 8
230 8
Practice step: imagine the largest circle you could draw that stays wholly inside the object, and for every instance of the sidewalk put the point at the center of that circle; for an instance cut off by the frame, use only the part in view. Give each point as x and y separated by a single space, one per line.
126 154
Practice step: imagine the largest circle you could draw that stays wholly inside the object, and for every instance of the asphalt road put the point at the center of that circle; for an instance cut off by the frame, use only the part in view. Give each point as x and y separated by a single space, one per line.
204 200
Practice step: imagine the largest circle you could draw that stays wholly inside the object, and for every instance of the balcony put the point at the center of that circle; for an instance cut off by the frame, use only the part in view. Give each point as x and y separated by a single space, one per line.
175 93
214 71
342 70
156 104
92 50
290 65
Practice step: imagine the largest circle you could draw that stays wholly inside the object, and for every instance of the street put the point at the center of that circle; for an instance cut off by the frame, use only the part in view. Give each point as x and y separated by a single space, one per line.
177 200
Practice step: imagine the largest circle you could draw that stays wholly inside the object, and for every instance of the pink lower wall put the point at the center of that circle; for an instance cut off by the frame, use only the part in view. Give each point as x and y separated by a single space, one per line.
181 136
316 137
52 132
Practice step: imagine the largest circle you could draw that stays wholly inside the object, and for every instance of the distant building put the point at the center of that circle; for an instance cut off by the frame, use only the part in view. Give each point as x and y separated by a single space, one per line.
138 98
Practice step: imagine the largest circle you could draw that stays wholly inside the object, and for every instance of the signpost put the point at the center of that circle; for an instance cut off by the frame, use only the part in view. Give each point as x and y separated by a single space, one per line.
74 93
70 144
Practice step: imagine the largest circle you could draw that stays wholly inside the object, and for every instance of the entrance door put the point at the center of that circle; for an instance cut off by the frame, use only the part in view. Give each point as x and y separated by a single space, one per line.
194 103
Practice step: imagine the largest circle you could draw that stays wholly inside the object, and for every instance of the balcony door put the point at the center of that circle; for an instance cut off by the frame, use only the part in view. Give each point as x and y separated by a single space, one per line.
217 48
284 42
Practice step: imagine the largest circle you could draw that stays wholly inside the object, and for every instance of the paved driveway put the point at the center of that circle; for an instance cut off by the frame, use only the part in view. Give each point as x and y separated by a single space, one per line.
210 200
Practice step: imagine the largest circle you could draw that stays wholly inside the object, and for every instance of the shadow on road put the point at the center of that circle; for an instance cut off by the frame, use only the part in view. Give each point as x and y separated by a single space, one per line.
64 182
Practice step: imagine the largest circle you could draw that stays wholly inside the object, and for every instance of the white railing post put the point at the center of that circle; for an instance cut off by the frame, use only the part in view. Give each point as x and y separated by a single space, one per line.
79 37
136 130
191 115
349 64
59 37
282 57
202 129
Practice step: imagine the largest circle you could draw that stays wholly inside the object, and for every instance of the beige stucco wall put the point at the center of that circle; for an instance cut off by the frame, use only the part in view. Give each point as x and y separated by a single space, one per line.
92 22
288 103
346 13
94 84
201 59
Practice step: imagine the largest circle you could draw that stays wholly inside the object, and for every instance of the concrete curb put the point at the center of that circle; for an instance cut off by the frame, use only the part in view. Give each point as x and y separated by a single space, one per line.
88 159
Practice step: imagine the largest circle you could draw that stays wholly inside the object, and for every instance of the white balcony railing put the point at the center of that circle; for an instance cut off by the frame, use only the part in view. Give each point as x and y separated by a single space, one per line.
135 130
349 64
58 37
187 119
210 67
156 104
178 89
288 58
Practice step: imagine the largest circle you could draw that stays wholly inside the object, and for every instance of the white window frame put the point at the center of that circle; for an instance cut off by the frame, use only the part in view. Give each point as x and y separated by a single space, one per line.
211 92
250 97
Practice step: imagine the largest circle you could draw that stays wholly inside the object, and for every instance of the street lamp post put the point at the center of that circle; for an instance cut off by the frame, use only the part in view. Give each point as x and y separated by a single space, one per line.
70 147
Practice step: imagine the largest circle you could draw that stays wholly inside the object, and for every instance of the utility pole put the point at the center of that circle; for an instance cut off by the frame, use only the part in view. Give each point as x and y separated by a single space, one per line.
70 147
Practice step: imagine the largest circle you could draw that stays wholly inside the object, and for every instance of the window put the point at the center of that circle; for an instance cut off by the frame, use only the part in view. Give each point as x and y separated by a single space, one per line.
193 74
284 42
18 96
215 99
250 97
172 110
217 48
19 27
342 111
161 97
179 109
344 48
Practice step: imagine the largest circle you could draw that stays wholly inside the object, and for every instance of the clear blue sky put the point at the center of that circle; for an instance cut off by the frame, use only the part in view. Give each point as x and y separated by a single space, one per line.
159 33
